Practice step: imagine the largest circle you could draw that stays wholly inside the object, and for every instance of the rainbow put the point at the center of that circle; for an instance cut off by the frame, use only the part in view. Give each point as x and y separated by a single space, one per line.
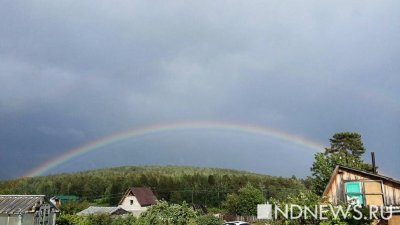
137 132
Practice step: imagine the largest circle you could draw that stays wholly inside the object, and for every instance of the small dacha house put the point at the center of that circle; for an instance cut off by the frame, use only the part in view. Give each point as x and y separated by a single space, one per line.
27 210
349 185
137 200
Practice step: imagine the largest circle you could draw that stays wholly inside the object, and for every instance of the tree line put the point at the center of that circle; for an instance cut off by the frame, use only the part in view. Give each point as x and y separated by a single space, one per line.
205 186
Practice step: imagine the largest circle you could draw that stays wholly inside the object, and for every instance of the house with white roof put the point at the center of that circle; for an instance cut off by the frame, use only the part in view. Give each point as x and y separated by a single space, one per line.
27 210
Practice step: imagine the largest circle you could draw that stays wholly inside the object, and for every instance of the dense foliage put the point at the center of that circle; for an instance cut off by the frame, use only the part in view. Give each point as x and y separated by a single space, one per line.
306 198
174 184
346 149
164 213
244 203
347 143
160 214
208 220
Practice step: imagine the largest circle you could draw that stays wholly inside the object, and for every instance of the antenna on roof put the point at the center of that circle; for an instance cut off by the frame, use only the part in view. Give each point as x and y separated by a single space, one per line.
374 169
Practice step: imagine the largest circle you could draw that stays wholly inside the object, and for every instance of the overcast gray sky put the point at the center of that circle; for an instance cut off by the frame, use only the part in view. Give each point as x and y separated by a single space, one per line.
75 71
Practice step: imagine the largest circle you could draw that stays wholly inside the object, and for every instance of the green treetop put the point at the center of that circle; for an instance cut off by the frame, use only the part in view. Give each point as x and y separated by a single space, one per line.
346 143
346 149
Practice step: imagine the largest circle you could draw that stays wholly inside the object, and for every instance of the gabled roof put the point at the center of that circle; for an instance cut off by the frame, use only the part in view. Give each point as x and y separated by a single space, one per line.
107 210
144 195
359 171
20 204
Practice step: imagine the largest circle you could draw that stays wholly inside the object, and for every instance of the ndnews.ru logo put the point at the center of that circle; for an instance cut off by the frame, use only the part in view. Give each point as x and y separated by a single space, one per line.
321 212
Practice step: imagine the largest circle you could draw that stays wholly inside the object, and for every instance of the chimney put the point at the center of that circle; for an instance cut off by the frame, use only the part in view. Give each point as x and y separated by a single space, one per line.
374 170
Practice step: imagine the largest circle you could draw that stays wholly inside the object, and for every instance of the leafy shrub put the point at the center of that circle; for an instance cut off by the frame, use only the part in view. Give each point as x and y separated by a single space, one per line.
244 203
74 207
208 220
164 213
99 219
125 220
72 220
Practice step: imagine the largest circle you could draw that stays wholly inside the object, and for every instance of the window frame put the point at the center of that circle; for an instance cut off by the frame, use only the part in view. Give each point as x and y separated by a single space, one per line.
346 194
363 190
382 191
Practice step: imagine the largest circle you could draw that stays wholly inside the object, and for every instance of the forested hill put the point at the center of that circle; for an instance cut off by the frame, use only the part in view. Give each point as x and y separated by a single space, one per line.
172 183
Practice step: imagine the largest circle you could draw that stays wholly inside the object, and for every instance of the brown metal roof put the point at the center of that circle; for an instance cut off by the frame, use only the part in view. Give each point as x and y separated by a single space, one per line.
375 175
144 195
20 204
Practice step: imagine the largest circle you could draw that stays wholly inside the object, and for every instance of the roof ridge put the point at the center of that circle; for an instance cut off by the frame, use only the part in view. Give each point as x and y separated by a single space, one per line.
369 173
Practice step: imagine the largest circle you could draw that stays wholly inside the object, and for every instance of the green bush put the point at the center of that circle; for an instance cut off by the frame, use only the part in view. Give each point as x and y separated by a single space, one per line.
161 214
208 220
72 220
74 207
125 220
164 213
99 219
244 203
63 220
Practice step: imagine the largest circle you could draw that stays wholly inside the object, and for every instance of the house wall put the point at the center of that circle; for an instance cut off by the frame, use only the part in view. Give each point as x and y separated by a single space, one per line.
27 219
395 220
126 204
3 219
392 196
12 220
8 220
336 192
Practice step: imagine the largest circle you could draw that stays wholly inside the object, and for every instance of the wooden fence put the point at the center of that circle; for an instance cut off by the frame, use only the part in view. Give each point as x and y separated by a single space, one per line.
249 219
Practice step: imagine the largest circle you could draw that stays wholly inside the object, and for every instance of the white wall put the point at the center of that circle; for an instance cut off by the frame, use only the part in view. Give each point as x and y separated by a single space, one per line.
130 203
27 219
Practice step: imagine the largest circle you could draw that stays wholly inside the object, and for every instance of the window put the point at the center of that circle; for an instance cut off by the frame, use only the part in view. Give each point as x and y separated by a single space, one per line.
354 193
367 192
131 202
373 193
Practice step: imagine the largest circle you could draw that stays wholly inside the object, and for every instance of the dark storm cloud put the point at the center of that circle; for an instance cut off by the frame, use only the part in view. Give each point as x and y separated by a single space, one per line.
75 71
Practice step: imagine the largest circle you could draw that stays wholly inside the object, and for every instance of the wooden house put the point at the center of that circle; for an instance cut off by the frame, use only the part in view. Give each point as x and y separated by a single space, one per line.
27 210
137 200
349 185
